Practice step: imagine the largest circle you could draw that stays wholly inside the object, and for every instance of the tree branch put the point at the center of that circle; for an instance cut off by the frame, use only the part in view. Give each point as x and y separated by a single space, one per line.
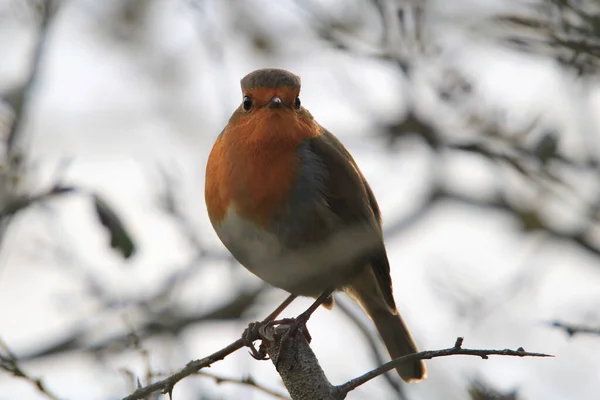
429 354
166 385
9 363
19 203
299 368
572 329
297 365
48 10
168 321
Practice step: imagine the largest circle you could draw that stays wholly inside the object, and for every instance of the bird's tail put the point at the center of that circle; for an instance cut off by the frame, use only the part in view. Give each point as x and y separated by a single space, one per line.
391 328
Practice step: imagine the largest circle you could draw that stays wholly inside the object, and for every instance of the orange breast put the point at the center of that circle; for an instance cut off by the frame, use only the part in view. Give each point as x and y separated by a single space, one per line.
216 191
253 167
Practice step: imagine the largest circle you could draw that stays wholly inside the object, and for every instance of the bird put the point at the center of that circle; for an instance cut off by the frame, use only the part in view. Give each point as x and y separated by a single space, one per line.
289 202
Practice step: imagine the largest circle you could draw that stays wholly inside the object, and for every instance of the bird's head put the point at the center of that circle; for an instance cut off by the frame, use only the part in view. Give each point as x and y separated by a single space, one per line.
271 107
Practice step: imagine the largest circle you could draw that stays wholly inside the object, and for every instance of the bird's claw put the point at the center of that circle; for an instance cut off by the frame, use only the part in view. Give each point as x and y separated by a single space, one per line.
255 329
264 331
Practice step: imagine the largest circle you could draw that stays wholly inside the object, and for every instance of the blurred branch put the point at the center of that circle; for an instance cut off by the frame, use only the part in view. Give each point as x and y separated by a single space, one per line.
169 321
478 303
19 100
22 98
528 162
19 203
567 30
572 329
247 381
482 391
10 364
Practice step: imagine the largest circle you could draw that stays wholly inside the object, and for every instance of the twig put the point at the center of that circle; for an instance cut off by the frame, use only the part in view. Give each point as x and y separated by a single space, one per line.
19 203
166 385
22 102
136 344
169 322
9 363
429 354
247 381
572 329
21 107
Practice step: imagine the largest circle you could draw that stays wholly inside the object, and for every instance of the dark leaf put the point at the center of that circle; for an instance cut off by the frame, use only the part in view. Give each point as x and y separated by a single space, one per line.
120 240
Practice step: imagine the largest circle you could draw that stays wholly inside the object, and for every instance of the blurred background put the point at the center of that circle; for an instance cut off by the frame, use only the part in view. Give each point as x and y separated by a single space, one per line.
477 123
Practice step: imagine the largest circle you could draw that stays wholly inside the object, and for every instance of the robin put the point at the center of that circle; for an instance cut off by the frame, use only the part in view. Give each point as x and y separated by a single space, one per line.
289 202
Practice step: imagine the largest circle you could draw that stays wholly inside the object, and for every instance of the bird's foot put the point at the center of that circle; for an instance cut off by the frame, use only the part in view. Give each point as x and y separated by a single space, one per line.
297 324
294 325
253 332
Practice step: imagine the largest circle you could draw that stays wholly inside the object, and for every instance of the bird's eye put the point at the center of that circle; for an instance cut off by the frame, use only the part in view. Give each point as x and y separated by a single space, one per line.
247 104
297 103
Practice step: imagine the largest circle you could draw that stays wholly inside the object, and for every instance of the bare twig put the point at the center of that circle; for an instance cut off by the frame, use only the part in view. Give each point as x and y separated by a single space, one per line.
20 108
22 102
136 344
166 385
427 355
167 322
22 202
10 364
573 329
247 381
299 368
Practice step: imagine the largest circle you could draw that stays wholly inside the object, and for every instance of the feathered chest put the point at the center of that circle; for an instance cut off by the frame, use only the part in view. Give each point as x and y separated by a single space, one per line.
276 186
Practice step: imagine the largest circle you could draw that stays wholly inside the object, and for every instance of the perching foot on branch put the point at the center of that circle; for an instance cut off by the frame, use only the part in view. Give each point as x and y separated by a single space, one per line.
249 335
298 324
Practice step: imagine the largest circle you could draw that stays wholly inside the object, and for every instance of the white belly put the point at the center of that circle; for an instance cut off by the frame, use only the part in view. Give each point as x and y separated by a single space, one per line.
305 272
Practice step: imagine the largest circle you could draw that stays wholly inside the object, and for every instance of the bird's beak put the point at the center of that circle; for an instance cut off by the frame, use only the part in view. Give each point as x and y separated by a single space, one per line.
275 102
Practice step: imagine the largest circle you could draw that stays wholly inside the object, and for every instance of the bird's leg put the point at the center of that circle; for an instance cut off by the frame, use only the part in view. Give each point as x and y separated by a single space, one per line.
299 323
278 310
248 336
253 329
302 319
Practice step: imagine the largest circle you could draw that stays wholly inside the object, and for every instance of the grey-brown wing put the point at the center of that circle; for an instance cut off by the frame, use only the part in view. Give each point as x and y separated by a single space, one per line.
351 199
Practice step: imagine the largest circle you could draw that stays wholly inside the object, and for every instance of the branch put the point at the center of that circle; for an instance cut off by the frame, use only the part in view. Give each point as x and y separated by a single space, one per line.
168 322
297 365
572 329
19 203
166 385
9 363
48 10
429 354
299 368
